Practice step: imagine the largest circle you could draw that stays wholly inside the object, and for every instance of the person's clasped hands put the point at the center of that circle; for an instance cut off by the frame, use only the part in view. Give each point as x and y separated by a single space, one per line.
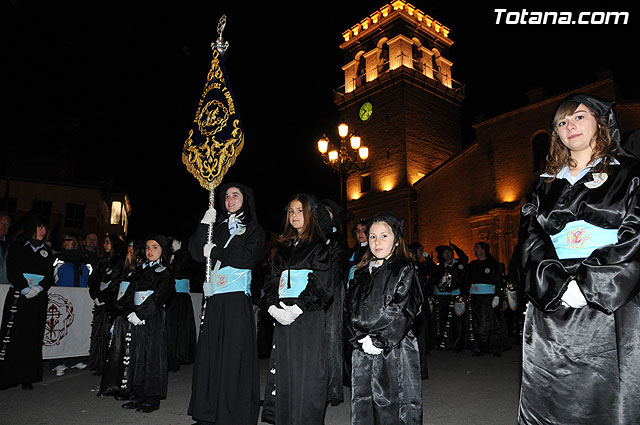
285 314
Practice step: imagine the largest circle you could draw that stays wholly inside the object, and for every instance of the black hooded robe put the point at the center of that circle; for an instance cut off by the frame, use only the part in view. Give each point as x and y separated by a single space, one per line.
148 365
296 386
386 389
451 326
115 378
334 320
582 366
23 319
226 373
103 286
489 325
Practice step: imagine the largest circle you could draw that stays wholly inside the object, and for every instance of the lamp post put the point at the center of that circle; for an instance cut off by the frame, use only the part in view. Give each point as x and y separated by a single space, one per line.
345 160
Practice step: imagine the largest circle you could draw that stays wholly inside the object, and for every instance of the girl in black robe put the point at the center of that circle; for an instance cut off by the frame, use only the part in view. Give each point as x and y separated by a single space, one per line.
115 379
103 289
226 374
30 274
297 290
145 298
386 387
580 260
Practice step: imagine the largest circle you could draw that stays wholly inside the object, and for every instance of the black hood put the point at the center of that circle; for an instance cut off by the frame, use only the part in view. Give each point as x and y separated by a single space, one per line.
600 107
248 202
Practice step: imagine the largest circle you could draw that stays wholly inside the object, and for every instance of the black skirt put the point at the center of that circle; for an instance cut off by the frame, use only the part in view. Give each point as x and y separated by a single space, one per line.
113 380
181 331
100 336
296 385
226 375
22 341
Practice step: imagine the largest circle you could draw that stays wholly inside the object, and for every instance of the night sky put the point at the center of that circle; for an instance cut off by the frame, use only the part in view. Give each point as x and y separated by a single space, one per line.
116 86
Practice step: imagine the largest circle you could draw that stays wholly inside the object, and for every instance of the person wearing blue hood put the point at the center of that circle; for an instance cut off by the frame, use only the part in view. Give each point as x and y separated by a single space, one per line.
30 273
579 257
226 375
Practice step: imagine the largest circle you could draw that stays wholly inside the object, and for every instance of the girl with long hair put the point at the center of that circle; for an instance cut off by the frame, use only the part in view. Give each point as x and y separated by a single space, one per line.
386 386
580 263
297 290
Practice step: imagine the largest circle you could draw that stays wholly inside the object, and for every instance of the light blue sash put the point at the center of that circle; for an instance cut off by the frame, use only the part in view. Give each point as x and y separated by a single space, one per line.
123 288
141 296
228 279
579 239
483 289
104 285
439 292
293 282
352 274
182 286
32 279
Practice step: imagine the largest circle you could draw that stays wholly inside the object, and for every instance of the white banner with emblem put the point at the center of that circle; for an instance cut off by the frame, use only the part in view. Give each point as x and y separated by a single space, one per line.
69 314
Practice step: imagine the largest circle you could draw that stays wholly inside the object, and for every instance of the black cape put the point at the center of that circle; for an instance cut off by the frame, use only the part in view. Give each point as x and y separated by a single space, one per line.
582 366
386 388
23 320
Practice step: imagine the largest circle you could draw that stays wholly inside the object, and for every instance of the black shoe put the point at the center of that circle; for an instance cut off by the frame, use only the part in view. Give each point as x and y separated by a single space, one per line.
131 405
147 408
497 354
122 397
27 387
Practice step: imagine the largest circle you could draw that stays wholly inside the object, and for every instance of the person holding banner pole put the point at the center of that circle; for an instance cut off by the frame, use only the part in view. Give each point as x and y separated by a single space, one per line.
226 374
30 273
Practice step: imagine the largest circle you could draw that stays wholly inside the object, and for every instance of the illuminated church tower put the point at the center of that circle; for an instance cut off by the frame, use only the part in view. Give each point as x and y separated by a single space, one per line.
399 95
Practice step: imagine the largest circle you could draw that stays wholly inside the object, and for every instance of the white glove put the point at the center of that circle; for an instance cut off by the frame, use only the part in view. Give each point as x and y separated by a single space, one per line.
134 319
292 310
573 296
209 216
206 250
425 254
495 301
281 315
32 292
368 347
176 245
97 302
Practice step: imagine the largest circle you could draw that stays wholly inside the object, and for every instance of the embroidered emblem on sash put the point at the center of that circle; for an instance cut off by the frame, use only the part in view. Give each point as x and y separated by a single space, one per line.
576 238
598 180
283 282
222 280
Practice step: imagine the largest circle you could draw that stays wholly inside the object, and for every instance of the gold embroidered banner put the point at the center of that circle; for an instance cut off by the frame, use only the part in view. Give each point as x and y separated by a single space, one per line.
216 137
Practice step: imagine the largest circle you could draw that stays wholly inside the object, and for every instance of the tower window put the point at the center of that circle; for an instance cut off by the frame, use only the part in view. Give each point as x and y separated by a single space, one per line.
365 183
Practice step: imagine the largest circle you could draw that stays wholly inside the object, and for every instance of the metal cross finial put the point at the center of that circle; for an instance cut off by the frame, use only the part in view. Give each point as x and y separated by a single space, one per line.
220 45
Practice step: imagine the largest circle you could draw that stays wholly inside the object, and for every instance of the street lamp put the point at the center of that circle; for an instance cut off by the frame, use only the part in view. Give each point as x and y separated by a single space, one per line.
344 161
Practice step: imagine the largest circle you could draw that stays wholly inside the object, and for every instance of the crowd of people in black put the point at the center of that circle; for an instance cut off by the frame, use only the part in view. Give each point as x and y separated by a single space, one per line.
307 305
366 317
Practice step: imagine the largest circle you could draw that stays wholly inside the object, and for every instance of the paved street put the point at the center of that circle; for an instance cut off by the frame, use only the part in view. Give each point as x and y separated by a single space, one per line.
462 390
